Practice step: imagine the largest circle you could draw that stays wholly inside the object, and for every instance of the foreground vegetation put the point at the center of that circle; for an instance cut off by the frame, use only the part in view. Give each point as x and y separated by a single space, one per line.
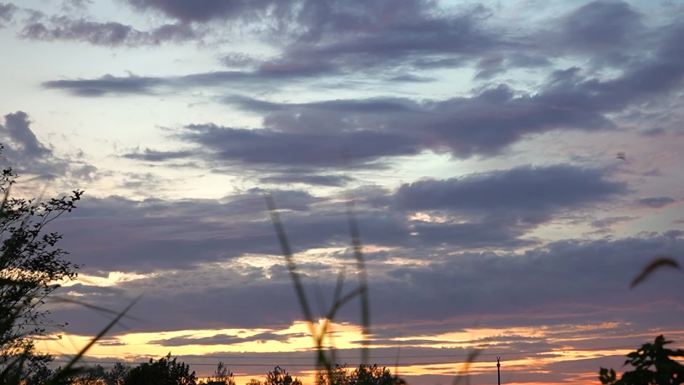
168 371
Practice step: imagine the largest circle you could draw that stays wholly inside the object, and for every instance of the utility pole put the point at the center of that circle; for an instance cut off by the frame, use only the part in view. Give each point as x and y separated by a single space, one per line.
498 370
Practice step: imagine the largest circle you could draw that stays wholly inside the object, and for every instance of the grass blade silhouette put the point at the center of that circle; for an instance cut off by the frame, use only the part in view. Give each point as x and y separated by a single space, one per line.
657 263
463 374
64 374
291 266
321 359
363 279
91 306
319 334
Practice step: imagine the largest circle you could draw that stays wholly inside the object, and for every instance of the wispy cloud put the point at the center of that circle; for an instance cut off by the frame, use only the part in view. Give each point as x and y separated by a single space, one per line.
25 153
110 34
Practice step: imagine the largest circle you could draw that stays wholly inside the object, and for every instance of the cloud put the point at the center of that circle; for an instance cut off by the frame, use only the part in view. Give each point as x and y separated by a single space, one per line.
423 35
600 25
71 6
463 126
334 37
155 155
310 179
655 202
570 274
305 149
493 64
25 153
322 134
106 84
365 132
338 34
238 59
176 233
484 123
6 13
277 151
466 214
205 10
496 209
530 193
134 84
605 223
17 128
326 38
487 233
498 116
110 34
564 282
445 253
225 339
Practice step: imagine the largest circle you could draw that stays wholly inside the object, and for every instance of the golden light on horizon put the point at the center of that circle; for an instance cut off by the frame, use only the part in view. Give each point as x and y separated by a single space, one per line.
140 346
151 344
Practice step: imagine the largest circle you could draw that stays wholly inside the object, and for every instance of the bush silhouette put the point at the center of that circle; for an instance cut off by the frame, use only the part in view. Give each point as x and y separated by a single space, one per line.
652 364
30 264
363 375
165 371
222 376
278 376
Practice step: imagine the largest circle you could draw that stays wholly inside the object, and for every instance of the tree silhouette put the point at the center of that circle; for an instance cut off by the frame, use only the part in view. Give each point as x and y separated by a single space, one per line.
95 375
30 264
117 374
363 375
279 376
652 366
222 376
98 375
165 371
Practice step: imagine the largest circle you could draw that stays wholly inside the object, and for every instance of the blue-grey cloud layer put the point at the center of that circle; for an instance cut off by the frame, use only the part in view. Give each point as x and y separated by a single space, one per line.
364 131
564 282
493 210
25 153
109 34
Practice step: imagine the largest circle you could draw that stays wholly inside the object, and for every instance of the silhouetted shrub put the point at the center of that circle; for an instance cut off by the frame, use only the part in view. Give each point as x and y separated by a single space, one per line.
165 371
652 364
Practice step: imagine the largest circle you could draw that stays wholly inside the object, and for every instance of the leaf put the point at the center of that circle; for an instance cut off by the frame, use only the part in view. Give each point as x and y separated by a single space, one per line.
655 264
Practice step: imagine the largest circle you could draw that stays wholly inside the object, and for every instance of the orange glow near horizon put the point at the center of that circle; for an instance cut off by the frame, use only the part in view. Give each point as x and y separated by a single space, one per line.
137 347
130 345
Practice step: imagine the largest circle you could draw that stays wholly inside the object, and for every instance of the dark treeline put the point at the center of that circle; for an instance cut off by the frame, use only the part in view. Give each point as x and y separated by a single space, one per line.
170 371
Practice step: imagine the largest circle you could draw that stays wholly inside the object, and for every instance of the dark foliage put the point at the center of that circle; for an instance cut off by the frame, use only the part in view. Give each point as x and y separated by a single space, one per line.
363 375
165 371
30 266
98 375
653 365
222 376
279 376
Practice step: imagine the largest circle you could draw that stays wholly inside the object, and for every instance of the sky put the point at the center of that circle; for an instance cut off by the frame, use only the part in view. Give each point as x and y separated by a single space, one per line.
478 142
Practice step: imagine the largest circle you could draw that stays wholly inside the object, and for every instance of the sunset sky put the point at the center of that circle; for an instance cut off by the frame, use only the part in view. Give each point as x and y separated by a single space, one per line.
478 141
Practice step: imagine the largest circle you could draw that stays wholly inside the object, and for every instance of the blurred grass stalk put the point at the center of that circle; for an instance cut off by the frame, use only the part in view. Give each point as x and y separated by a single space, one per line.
325 360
